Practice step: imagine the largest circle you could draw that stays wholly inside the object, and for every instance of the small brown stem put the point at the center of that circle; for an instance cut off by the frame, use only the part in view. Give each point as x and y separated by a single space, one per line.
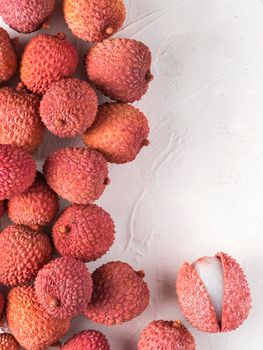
109 30
148 76
140 273
177 323
145 143
45 25
54 302
106 181
64 229
61 36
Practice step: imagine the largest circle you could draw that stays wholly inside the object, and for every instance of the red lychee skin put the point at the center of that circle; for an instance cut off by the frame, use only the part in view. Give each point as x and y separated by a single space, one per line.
46 59
64 287
87 340
84 232
2 208
119 294
197 306
77 174
17 171
166 335
69 107
8 342
26 16
35 207
130 80
8 58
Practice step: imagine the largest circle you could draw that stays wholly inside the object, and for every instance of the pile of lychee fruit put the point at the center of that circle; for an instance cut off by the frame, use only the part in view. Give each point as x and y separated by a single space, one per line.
46 293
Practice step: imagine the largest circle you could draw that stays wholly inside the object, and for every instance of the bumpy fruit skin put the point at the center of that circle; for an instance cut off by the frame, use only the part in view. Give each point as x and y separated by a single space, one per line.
8 342
87 340
197 306
64 287
35 207
84 232
26 16
23 253
8 58
17 171
69 107
119 132
28 321
93 20
77 174
166 335
20 122
2 208
119 294
120 68
47 59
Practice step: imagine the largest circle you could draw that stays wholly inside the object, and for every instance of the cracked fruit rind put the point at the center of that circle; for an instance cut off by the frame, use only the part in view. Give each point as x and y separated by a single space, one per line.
77 174
119 132
84 232
93 20
87 340
119 294
8 58
64 287
120 68
28 321
23 253
8 342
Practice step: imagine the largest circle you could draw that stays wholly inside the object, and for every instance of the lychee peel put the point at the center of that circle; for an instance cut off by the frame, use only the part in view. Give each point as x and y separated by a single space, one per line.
8 58
87 340
8 342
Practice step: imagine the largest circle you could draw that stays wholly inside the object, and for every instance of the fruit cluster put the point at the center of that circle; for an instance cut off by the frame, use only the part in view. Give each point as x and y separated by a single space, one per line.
45 293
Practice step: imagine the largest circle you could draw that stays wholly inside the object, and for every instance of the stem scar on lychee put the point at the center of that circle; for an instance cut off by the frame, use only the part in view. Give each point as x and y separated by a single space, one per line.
54 302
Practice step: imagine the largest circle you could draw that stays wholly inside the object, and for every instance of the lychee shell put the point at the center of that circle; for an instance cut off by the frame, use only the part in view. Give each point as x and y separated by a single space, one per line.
87 340
8 58
8 342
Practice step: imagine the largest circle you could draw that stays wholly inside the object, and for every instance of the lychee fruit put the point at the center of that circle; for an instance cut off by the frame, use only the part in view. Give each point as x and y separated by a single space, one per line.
69 107
94 20
17 171
87 340
20 122
8 58
23 253
28 321
26 16
64 287
77 174
213 293
120 68
119 132
35 207
2 208
166 335
84 232
47 59
8 342
119 294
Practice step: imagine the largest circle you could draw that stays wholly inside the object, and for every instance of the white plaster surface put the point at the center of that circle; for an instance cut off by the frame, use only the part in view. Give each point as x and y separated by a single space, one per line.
198 188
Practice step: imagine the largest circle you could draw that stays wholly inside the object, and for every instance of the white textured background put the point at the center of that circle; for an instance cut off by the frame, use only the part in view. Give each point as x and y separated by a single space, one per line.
199 188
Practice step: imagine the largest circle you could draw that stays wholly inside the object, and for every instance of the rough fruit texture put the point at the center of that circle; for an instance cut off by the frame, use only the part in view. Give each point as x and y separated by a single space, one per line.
31 325
85 232
23 253
20 123
87 340
64 287
120 68
166 335
93 20
35 207
47 59
69 107
2 208
17 169
8 58
77 174
119 294
8 342
119 132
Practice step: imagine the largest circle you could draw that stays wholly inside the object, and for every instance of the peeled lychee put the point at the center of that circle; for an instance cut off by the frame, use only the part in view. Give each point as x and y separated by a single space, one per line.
8 59
20 122
2 208
28 321
35 207
84 232
23 253
213 293
46 59
77 174
120 68
26 16
166 335
87 340
119 294
64 287
69 107
8 342
17 171
119 132
94 20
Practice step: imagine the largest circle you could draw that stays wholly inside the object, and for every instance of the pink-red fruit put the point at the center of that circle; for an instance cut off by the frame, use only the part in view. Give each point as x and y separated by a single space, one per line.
8 342
87 340
8 59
